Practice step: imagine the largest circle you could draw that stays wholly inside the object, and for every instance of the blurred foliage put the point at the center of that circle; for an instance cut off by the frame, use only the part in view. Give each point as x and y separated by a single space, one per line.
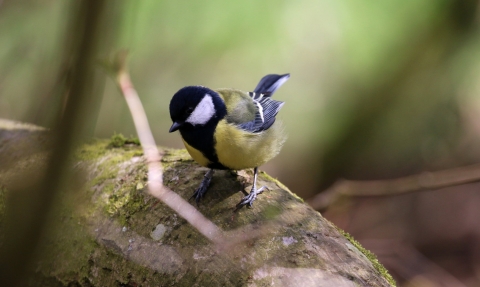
374 92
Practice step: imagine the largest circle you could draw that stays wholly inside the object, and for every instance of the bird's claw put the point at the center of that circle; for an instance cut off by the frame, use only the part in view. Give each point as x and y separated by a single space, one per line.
202 189
250 198
199 192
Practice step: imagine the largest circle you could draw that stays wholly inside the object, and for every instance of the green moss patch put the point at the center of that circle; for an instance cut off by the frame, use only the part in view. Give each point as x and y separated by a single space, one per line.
376 264
119 140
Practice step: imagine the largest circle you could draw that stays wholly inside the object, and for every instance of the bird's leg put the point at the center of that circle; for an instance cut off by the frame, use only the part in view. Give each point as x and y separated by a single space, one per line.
200 191
250 198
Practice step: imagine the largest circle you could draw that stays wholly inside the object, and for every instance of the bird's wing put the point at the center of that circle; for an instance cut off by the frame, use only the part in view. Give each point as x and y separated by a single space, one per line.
240 107
265 114
267 108
254 111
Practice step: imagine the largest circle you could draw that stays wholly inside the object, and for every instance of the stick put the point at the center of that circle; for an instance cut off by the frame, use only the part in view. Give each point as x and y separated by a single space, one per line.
155 171
412 183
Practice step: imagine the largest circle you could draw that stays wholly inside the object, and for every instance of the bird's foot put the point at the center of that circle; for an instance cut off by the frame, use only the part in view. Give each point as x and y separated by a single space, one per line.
250 198
202 189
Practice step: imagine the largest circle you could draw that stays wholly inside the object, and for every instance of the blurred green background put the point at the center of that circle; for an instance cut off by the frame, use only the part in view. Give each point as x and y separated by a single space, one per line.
378 89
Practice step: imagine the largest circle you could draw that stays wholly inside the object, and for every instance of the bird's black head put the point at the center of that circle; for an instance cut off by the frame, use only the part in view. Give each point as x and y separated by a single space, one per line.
195 106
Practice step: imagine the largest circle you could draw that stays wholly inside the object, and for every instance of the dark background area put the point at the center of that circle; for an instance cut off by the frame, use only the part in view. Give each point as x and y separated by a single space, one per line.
378 90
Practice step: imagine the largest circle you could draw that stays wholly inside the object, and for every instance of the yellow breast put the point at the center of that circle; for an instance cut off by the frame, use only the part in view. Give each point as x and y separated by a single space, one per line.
238 149
196 154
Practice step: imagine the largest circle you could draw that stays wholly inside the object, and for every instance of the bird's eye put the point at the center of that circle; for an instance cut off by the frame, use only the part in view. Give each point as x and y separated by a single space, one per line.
189 110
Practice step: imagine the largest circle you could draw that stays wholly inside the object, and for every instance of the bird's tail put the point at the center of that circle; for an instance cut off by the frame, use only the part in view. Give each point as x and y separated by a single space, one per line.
270 83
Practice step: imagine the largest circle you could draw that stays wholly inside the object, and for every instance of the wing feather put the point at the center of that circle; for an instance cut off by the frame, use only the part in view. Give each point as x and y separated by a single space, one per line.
266 108
265 114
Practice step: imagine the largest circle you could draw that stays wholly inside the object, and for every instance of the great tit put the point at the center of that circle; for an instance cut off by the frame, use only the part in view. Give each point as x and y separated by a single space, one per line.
229 129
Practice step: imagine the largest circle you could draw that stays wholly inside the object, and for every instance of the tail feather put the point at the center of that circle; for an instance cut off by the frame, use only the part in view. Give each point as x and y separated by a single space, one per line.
270 83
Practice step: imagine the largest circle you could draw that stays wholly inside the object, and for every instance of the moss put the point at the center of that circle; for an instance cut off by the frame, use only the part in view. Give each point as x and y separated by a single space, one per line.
119 140
124 201
91 151
281 185
121 192
272 211
116 190
376 264
176 155
72 247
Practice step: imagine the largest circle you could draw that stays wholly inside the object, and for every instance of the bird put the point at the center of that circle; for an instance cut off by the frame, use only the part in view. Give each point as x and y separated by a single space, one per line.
230 129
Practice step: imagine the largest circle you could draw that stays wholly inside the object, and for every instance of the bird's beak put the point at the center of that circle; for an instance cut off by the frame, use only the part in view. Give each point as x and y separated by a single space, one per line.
175 127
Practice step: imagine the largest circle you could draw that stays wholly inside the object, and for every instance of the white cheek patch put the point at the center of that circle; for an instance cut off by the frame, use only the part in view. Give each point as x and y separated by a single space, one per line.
203 112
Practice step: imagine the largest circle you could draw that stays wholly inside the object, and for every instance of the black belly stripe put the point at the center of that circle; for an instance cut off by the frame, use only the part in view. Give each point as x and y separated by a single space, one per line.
217 165
202 139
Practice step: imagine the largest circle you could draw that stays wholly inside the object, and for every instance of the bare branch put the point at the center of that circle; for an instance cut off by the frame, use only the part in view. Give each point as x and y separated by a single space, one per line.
412 183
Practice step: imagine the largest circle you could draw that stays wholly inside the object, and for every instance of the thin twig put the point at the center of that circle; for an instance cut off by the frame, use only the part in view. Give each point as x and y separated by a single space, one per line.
155 171
412 183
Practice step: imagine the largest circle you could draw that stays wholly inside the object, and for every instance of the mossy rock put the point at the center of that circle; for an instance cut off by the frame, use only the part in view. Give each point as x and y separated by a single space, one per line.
108 231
